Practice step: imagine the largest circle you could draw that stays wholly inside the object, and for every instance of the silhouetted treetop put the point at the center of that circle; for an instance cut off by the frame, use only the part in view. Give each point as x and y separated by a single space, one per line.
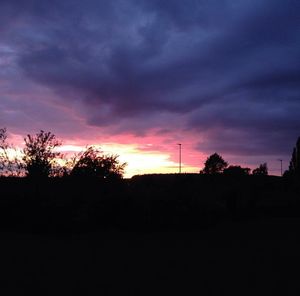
261 170
39 154
3 135
236 170
10 164
3 149
214 164
93 163
294 167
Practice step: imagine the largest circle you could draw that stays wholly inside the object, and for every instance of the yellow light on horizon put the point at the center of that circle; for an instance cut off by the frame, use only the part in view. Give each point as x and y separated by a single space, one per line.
138 162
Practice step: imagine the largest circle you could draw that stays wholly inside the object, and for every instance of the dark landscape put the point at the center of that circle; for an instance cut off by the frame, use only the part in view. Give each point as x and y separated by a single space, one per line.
81 228
152 234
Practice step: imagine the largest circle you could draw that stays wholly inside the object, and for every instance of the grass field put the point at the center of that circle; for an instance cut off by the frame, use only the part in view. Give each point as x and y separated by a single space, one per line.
240 258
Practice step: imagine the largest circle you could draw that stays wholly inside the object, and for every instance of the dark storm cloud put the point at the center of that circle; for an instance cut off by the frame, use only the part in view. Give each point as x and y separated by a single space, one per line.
219 65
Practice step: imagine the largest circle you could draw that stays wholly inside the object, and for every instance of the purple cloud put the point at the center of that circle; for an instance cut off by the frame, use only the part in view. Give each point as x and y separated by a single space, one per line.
227 71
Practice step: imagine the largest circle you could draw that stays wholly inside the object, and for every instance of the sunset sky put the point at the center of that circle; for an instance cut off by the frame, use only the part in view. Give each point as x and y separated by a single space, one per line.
137 77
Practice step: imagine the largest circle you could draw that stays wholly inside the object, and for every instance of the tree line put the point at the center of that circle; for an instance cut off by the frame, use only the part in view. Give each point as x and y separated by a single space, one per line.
215 164
40 158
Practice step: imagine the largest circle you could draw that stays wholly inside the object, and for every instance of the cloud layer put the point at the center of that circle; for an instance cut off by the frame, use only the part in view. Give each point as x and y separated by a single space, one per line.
226 71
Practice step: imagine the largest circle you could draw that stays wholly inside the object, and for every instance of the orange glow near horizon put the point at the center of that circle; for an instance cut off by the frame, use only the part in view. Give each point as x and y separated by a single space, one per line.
151 154
145 155
138 162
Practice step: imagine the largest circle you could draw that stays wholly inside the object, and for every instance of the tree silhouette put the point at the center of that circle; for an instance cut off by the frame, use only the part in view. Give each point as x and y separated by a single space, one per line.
261 170
39 154
214 164
3 151
93 163
236 170
10 164
294 167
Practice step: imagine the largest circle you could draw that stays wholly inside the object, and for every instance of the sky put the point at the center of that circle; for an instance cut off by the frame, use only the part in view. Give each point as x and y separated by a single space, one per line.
137 77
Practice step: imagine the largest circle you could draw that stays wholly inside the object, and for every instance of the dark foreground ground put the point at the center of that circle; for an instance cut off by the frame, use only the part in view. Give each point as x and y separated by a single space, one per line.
151 235
259 257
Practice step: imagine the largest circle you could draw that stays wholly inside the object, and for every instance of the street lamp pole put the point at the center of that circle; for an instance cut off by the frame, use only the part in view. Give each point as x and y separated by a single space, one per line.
179 158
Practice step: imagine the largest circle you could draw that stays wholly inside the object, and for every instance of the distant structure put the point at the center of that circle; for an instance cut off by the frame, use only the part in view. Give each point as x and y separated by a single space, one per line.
179 157
295 161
